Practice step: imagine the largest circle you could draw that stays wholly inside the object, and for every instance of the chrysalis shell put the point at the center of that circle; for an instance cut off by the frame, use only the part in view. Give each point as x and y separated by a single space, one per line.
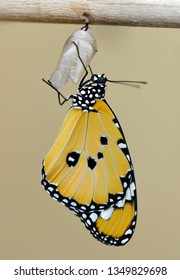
69 65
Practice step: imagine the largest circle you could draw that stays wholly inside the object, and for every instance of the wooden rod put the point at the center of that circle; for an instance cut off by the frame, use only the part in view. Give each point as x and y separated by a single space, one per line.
152 13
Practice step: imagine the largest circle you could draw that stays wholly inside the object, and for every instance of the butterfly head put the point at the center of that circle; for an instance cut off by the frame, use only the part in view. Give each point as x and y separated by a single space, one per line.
99 79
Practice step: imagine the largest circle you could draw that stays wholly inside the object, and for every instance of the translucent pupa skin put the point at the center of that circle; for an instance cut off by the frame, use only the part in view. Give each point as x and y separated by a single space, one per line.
69 65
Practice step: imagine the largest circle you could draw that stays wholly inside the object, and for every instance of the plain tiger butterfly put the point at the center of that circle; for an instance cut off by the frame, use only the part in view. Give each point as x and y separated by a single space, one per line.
89 168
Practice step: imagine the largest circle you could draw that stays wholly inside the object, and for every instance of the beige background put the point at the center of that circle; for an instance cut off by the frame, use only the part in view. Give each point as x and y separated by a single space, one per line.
33 225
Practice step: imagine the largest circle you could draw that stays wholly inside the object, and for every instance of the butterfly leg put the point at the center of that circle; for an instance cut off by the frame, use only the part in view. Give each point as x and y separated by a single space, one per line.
58 92
86 71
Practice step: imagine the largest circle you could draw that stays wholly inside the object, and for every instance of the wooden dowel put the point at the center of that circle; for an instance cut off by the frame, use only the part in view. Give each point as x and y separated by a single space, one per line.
153 13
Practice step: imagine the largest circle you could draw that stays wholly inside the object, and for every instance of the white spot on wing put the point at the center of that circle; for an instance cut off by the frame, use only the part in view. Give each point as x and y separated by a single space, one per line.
117 125
88 222
70 159
65 200
128 157
129 231
73 203
121 203
133 223
128 194
132 187
84 215
122 145
93 217
106 214
124 241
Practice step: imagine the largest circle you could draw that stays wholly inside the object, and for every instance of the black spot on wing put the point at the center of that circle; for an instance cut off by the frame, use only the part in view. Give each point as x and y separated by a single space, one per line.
91 163
103 140
100 155
72 158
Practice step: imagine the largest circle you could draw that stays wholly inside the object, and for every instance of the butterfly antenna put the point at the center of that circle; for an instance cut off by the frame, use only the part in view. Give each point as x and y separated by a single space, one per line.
90 69
135 84
57 91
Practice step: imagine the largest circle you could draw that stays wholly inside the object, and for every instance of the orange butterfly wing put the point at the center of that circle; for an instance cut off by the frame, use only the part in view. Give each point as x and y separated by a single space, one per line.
89 170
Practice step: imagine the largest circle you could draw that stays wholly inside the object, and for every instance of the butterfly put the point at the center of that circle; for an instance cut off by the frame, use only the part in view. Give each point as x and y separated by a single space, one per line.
89 167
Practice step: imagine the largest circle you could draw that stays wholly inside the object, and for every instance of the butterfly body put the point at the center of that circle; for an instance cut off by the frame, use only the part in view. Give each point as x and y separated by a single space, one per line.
89 168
